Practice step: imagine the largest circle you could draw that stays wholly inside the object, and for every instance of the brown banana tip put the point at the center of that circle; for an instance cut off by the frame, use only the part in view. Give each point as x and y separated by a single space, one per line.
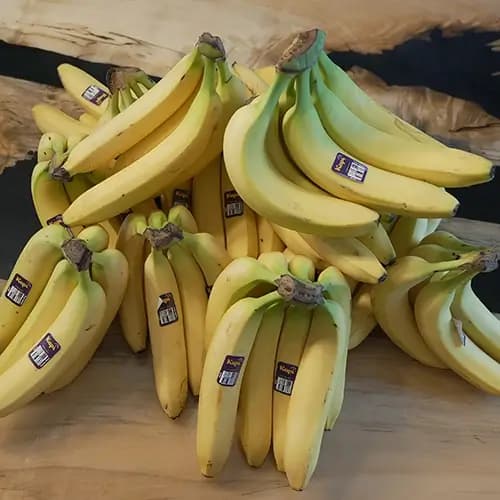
493 172
60 174
455 210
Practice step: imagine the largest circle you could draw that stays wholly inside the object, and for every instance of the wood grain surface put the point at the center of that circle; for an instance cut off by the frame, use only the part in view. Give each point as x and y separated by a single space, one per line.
153 34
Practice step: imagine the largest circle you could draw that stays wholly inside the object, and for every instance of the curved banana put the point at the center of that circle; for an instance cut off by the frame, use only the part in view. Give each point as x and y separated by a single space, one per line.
296 243
407 233
323 361
363 320
207 201
132 313
343 175
145 177
255 409
127 128
269 241
96 238
87 91
252 81
275 261
432 252
51 143
447 167
379 243
88 119
252 171
110 270
29 278
448 240
446 338
183 218
235 282
300 265
392 309
224 370
56 349
194 300
240 225
48 118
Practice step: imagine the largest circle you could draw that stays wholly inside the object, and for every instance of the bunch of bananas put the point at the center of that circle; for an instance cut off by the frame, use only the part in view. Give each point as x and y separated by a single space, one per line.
59 301
255 226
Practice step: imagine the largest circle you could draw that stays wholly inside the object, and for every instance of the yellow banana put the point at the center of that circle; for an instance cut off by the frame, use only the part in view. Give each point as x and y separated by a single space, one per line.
269 241
275 261
48 118
363 321
183 218
379 243
407 233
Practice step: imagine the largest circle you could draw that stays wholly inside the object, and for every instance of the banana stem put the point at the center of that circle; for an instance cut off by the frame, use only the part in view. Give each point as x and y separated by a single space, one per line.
293 289
165 237
77 252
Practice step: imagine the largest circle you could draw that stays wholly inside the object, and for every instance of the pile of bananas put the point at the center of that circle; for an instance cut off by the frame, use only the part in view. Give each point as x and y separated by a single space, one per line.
250 227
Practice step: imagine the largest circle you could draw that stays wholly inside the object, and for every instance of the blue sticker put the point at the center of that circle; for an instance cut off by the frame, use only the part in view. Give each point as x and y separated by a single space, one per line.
230 370
94 94
44 351
347 167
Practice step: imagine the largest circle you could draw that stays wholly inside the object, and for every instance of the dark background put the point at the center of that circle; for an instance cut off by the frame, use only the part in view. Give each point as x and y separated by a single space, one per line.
460 66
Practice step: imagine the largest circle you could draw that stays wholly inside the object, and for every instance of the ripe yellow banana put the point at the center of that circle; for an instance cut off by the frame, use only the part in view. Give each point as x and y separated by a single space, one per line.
56 349
137 121
448 240
240 226
87 91
300 265
275 261
255 409
392 309
224 370
447 167
447 339
363 321
253 82
252 171
269 241
379 243
29 278
166 332
207 201
96 238
48 118
183 218
151 173
407 233
345 176
296 243
323 361
110 270
132 313
432 252
88 119
194 300
235 282
267 73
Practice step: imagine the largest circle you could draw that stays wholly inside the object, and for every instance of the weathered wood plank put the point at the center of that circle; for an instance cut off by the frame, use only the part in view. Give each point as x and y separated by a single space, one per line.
18 132
154 35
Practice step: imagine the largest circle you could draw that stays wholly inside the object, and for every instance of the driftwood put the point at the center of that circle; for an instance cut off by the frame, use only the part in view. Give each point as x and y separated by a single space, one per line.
154 33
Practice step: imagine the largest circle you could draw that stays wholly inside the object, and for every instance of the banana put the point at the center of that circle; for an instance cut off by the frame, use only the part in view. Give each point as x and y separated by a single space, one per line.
275 261
50 143
448 240
300 265
446 338
255 409
266 73
447 167
296 243
207 201
52 300
49 197
88 119
224 370
351 256
145 177
29 278
252 170
56 349
88 92
323 360
366 108
183 218
343 175
269 241
137 121
236 281
240 226
388 221
432 252
166 332
363 321
194 300
478 322
132 312
289 255
392 309
407 233
110 270
210 256
253 82
48 118
96 238
180 194
380 244
291 344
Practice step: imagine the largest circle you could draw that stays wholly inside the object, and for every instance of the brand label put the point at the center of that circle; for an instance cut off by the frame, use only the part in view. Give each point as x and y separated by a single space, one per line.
44 351
347 167
230 370
94 94
233 204
285 377
181 197
167 310
18 290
